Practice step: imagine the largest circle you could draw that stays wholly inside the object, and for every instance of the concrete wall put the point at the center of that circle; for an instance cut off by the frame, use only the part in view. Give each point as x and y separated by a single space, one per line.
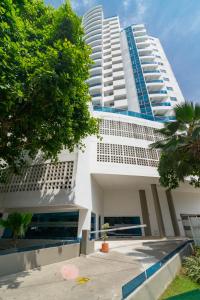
155 286
165 212
21 261
186 202
122 203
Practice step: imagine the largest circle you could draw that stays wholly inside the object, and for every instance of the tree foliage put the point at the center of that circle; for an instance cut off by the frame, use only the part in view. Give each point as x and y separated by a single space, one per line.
44 98
180 147
18 223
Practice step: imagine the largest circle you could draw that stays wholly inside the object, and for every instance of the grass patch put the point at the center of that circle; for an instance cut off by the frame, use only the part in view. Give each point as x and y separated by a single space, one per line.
181 284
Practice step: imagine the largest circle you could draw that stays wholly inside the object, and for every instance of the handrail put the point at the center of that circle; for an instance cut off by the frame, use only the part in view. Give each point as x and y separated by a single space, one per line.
119 228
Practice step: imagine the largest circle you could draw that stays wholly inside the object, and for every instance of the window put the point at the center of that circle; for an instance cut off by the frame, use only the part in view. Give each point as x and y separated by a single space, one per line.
59 225
160 63
169 88
166 79
123 222
158 56
163 71
173 98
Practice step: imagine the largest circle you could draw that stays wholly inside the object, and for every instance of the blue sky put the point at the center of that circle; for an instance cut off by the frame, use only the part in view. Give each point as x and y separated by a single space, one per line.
175 22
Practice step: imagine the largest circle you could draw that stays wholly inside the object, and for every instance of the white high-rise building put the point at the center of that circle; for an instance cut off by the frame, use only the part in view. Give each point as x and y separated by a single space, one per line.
130 71
115 179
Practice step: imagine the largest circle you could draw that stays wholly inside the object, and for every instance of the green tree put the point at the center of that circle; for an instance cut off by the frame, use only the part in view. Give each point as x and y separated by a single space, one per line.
180 147
44 97
18 223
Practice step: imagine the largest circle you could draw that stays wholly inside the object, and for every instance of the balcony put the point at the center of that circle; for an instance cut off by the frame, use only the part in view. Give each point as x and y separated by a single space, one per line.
141 38
142 45
138 27
108 98
95 79
92 33
147 58
93 17
158 95
161 119
95 88
121 103
158 92
141 32
96 98
148 66
95 71
151 72
154 104
97 55
96 21
108 89
154 85
92 29
96 42
120 93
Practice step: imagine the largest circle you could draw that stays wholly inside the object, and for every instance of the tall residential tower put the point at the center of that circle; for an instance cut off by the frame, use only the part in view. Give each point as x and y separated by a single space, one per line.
130 70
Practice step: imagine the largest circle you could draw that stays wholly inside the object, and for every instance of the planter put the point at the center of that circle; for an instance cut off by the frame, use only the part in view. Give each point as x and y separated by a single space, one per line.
105 247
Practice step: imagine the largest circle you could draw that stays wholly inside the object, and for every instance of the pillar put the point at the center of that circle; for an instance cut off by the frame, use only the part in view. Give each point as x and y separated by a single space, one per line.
145 213
84 221
172 213
160 222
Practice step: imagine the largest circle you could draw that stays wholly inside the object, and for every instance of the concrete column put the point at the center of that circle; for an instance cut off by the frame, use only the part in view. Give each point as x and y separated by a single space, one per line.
84 221
161 227
145 213
172 212
87 246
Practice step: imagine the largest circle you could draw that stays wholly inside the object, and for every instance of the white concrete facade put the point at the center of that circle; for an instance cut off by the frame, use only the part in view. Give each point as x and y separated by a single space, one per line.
115 177
106 180
114 82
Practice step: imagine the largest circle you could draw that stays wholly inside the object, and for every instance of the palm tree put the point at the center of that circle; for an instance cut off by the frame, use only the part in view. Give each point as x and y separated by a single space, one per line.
180 147
18 223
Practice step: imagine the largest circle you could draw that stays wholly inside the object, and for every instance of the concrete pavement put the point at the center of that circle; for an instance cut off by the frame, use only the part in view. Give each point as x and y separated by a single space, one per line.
106 273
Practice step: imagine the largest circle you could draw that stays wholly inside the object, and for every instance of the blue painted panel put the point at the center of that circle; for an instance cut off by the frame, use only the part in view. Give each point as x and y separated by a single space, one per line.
143 98
129 287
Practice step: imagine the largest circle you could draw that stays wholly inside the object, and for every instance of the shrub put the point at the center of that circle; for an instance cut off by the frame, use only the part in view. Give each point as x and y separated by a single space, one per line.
192 265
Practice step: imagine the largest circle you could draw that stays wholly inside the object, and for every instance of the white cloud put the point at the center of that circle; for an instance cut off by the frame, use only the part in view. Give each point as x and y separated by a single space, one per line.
126 4
182 27
134 11
82 4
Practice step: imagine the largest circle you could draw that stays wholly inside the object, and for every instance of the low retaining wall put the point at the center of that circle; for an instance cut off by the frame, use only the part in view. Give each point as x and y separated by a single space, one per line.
30 259
153 288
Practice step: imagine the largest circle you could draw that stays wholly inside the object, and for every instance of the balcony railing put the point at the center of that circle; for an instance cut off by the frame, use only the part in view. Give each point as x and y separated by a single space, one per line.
151 71
154 81
95 84
161 104
148 63
158 92
133 114
96 95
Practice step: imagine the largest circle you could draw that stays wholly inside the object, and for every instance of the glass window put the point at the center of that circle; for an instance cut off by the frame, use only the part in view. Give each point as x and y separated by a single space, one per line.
60 225
173 98
169 88
122 222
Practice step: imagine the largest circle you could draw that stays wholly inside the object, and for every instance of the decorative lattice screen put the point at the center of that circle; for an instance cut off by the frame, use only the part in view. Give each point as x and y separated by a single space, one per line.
43 176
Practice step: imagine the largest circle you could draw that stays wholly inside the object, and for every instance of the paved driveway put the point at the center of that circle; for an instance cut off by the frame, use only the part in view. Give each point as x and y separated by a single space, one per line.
106 273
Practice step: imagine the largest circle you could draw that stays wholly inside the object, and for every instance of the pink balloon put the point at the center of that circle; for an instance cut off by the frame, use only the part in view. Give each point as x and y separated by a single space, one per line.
69 272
